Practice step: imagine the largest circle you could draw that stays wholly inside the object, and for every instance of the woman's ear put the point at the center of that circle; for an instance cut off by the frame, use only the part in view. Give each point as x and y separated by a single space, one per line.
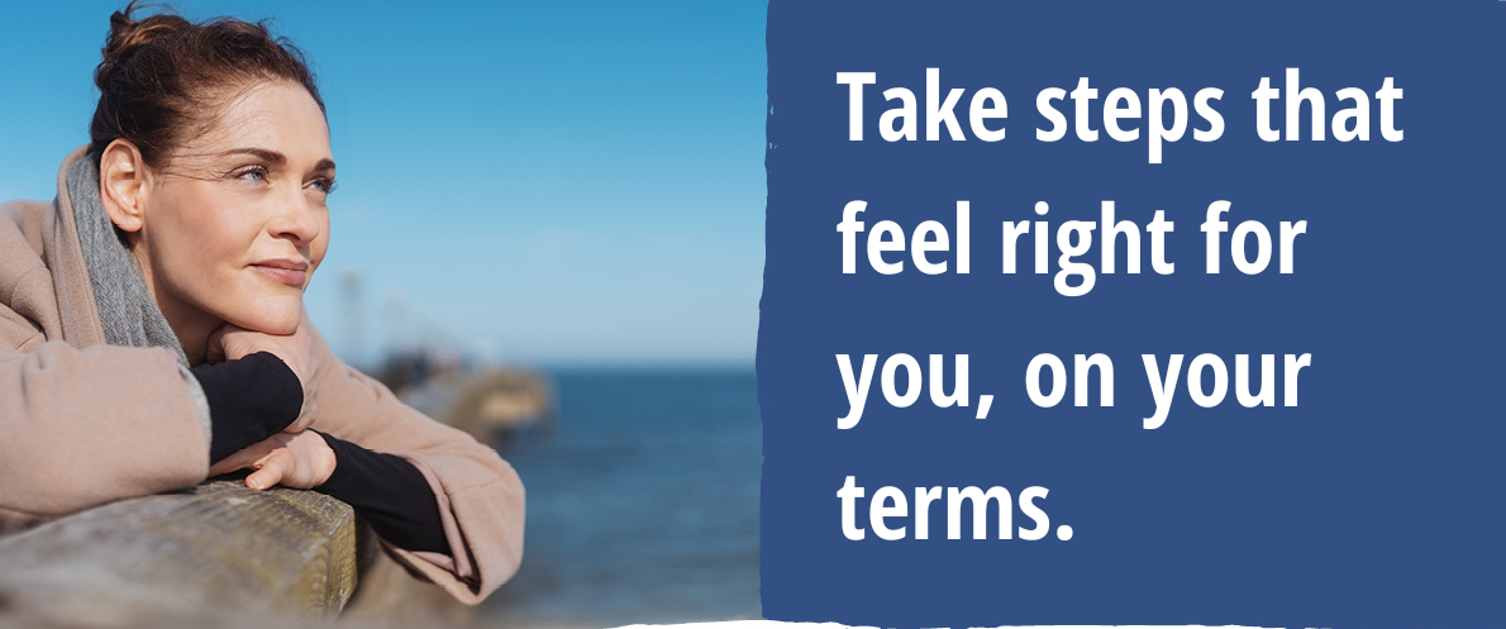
122 185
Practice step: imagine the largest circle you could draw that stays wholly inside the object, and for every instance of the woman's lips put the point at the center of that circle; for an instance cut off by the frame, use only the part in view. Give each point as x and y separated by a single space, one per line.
290 272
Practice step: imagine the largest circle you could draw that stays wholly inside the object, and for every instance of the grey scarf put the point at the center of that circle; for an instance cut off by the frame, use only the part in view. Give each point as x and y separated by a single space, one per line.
129 314
126 309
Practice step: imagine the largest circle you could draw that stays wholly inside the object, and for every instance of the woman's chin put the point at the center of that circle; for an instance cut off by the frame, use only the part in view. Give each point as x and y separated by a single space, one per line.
278 321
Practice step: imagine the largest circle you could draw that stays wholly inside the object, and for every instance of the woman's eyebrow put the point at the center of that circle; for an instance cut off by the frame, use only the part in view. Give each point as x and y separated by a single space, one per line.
265 154
277 158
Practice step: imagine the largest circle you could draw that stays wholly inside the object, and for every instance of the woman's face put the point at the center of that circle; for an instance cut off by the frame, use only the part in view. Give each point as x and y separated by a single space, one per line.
235 223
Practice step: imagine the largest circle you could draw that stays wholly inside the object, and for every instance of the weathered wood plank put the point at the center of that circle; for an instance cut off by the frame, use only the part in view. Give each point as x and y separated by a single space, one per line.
217 548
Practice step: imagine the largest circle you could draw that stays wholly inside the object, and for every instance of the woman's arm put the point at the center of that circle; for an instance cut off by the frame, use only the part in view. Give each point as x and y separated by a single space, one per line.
390 493
80 428
479 497
386 490
444 505
249 399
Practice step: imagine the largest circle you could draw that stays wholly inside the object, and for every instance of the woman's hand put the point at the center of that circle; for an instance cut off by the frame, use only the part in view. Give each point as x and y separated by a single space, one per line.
299 460
296 351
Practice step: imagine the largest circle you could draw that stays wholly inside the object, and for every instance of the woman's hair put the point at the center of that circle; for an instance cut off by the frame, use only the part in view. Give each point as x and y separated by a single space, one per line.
163 78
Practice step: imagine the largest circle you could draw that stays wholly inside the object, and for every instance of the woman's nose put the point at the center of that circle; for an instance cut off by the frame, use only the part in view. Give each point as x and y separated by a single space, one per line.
297 220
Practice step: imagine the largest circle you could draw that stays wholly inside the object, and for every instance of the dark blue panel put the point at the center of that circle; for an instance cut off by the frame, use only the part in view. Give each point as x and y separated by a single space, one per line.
1376 501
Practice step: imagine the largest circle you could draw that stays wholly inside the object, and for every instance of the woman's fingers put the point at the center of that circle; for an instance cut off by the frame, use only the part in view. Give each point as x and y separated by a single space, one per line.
302 461
245 458
255 456
231 463
272 470
295 350
217 345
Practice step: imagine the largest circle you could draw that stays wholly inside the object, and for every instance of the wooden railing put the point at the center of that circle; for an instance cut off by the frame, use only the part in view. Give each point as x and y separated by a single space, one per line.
219 554
218 548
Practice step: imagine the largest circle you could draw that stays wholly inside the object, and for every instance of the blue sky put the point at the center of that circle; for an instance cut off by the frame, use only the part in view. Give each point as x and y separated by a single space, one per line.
547 181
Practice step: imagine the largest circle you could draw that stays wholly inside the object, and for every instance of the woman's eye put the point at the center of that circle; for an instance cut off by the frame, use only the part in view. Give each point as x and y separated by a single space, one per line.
255 174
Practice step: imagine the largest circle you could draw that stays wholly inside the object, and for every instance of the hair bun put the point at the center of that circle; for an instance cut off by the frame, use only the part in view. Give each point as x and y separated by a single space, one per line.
128 36
162 79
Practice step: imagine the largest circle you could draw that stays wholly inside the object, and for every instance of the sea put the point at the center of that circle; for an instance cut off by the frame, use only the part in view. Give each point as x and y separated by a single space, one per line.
642 500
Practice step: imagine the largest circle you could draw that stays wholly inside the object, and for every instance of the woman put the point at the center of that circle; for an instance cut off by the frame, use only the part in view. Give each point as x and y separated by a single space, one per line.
152 330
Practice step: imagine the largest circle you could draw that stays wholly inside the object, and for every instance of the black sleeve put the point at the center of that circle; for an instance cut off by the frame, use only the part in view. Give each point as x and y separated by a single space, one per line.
250 399
390 493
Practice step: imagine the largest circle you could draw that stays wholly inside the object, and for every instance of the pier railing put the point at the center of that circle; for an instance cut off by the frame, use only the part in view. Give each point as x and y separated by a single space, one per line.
218 547
220 550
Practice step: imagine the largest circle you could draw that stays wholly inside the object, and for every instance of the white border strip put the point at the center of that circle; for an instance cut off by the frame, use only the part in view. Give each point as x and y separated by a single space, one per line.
774 624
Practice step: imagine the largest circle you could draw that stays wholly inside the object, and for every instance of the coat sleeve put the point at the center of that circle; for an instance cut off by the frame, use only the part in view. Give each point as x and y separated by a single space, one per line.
480 496
83 427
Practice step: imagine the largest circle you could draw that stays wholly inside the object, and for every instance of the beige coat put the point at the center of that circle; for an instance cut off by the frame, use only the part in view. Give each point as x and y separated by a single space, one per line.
83 423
